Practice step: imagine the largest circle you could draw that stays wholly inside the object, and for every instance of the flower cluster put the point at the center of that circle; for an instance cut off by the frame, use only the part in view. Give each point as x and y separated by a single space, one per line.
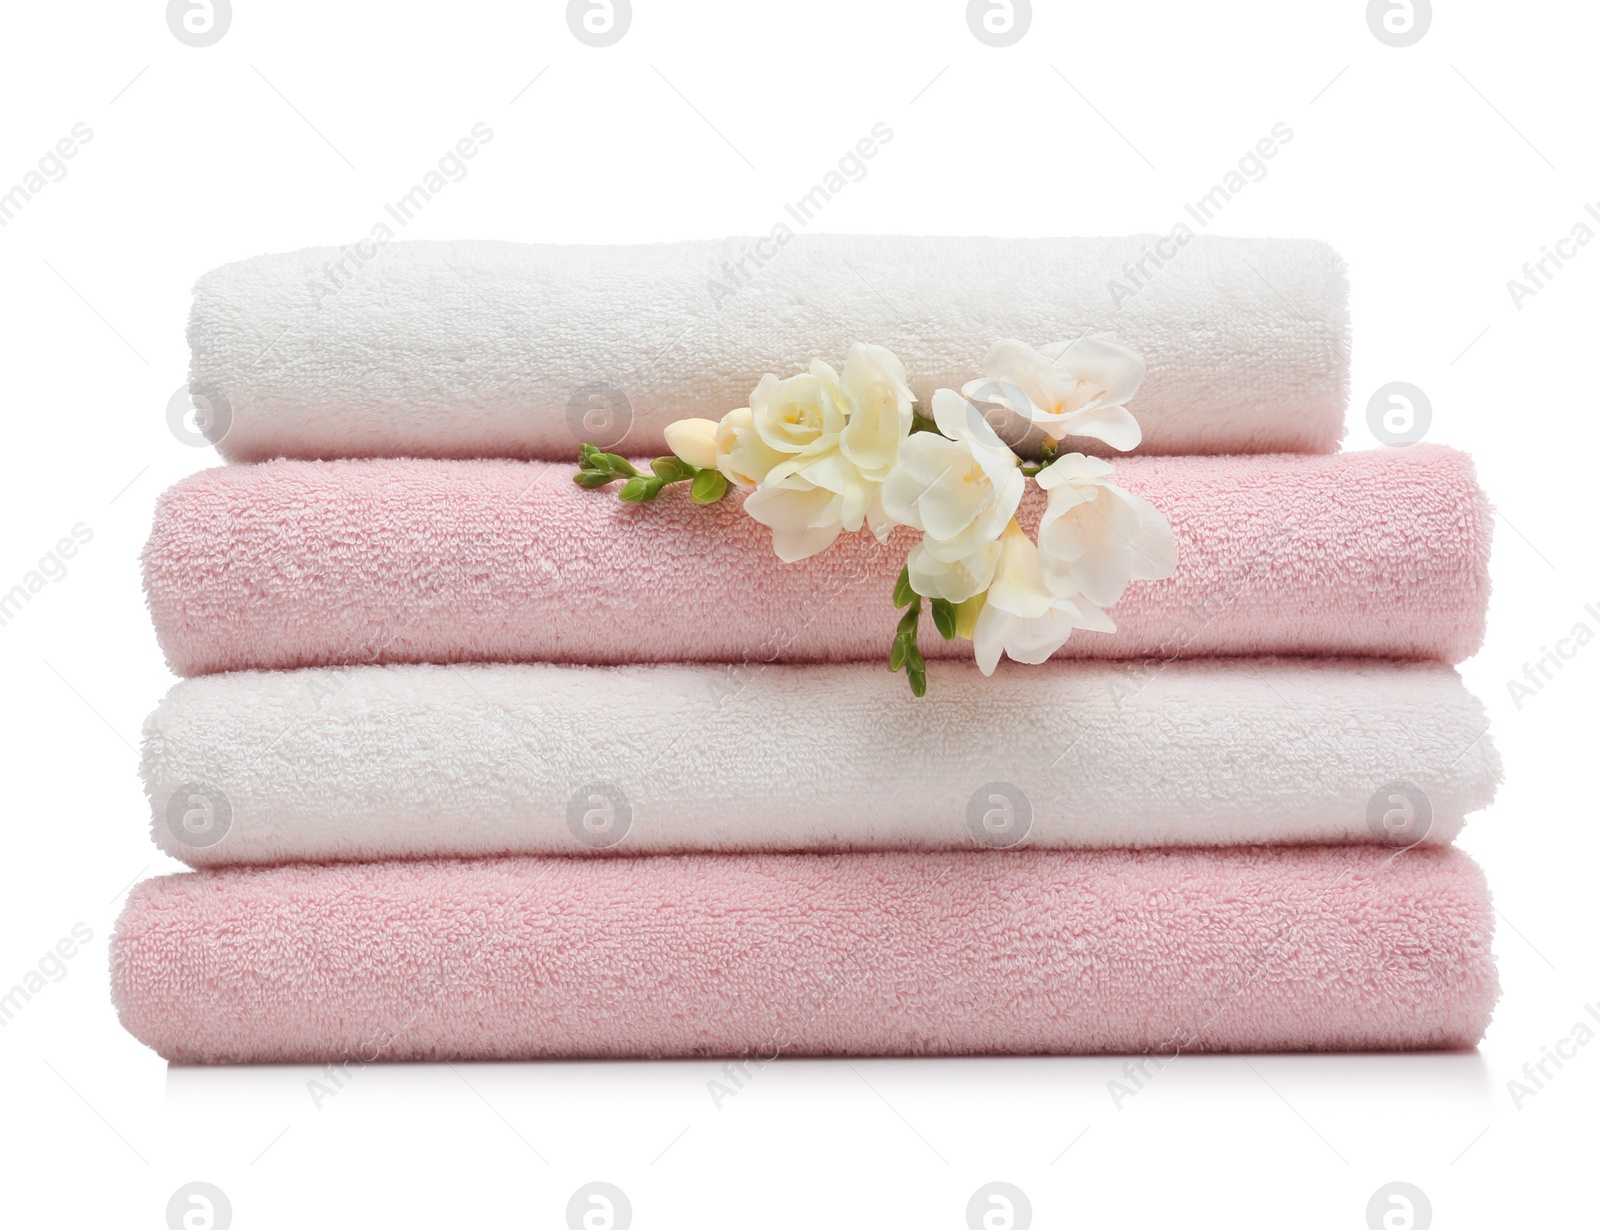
826 452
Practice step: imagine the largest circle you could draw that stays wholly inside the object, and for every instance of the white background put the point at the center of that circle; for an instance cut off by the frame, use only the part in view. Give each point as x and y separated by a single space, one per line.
1436 169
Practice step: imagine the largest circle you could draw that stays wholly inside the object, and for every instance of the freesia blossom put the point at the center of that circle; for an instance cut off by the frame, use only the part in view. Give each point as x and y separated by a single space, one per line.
693 441
1022 616
742 456
839 438
960 486
1067 389
1095 537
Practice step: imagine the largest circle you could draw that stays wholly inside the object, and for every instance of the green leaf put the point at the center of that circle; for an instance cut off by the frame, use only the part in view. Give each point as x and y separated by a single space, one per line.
919 681
898 652
708 487
904 595
944 618
617 465
633 491
914 660
652 487
908 621
593 478
671 469
587 451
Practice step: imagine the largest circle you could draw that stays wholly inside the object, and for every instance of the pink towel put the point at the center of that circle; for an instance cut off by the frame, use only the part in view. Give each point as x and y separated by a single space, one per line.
1247 949
291 563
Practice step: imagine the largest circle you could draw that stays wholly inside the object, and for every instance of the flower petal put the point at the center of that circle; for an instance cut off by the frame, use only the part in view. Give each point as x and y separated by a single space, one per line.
1018 587
1105 363
879 401
954 581
1033 641
1075 469
1113 424
988 637
803 521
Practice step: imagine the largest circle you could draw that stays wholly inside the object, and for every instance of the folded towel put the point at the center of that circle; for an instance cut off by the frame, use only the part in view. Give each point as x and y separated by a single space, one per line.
413 761
292 564
473 349
1315 948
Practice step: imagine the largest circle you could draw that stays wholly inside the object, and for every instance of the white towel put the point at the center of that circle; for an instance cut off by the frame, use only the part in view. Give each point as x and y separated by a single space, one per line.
417 761
475 349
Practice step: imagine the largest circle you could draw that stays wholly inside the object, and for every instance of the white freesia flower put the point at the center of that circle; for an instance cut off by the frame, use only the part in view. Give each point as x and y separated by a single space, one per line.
1022 616
693 441
1094 537
959 487
800 413
954 580
1068 389
837 440
741 455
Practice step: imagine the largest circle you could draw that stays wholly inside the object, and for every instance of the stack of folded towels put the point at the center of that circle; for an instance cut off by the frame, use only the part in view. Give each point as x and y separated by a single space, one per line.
475 762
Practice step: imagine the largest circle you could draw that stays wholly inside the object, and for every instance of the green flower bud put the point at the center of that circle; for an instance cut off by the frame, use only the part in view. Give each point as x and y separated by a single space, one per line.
904 595
708 487
671 469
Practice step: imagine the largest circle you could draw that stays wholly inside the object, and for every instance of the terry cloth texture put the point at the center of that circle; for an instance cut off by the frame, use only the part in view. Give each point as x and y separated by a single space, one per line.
293 563
473 349
376 762
993 952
